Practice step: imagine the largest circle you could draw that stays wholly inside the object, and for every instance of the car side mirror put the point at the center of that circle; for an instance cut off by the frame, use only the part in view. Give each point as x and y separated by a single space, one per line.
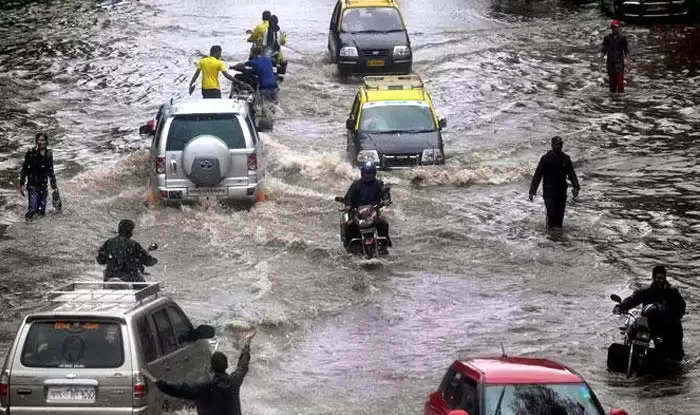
442 123
618 412
458 412
204 331
148 128
616 298
349 123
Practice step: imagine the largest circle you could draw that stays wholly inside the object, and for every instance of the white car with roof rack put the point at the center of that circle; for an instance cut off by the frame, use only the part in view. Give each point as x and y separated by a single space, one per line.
82 353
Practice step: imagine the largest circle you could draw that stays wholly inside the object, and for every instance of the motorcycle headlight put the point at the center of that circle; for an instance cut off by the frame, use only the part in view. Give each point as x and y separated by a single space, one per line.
364 222
402 51
368 155
643 335
348 52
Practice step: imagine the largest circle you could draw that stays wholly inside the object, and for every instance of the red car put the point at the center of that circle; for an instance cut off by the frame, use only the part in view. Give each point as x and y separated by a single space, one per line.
513 386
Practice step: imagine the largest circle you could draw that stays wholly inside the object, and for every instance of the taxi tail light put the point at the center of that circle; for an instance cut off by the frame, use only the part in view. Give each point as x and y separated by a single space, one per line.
252 161
140 386
160 165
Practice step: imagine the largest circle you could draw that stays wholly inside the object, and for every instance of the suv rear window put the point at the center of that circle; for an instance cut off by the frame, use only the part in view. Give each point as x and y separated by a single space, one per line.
185 127
73 344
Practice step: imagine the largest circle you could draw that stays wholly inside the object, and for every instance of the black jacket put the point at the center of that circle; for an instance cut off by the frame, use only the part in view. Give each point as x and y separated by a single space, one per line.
37 170
124 258
554 167
364 193
218 396
615 47
669 297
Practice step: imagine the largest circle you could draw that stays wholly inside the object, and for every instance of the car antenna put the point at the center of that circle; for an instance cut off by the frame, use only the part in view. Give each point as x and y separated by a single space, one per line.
503 351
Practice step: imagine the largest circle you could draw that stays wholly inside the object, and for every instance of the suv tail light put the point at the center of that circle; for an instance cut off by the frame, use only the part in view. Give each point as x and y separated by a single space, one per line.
160 165
4 386
140 386
252 161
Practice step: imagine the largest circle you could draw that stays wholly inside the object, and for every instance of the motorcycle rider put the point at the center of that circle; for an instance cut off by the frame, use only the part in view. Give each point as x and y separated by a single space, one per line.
257 35
273 41
368 190
124 257
664 307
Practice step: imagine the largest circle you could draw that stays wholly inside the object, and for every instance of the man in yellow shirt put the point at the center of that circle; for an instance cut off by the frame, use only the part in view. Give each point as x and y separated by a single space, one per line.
210 67
257 35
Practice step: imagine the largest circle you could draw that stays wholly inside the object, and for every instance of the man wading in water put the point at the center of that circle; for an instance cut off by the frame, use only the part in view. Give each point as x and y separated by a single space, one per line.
615 48
37 170
554 167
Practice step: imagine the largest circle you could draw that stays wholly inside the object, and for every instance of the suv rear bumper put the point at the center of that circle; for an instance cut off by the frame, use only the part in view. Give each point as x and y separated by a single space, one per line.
234 193
654 8
77 410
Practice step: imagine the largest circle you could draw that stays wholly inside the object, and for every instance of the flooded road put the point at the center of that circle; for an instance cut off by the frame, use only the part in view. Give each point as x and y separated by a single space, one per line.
472 266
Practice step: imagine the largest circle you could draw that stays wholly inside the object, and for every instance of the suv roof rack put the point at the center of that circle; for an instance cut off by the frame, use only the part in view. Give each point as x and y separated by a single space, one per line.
399 82
105 292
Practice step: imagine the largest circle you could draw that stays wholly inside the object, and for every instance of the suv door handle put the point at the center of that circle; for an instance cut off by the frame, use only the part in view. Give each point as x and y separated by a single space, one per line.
167 368
186 359
24 391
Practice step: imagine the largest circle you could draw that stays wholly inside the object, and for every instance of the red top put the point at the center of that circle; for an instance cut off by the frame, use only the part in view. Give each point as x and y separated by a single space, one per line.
510 370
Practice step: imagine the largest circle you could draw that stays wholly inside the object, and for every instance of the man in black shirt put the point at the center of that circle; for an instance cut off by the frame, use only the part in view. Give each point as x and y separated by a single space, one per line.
219 395
37 171
554 167
367 191
617 52
124 258
665 316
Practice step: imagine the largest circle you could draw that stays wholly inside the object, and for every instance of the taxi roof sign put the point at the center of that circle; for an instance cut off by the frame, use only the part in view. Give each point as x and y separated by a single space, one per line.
363 3
396 82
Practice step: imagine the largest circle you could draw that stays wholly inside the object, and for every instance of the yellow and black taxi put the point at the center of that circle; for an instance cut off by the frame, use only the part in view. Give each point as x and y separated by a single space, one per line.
393 124
369 36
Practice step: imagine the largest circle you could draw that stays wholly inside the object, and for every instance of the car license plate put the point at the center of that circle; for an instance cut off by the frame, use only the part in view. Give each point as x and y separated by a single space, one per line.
208 191
71 394
375 62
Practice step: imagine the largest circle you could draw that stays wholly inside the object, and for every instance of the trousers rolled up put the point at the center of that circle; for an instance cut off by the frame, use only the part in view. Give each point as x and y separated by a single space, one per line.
616 81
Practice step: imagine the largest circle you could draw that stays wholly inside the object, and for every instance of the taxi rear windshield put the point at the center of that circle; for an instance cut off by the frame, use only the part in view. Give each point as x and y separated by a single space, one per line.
186 127
372 19
73 344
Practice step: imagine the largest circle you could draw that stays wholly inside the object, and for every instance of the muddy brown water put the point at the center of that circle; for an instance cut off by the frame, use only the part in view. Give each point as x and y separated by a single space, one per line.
472 266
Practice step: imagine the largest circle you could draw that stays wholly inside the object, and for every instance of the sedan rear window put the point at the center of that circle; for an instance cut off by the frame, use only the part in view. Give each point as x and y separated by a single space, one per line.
183 128
545 399
73 344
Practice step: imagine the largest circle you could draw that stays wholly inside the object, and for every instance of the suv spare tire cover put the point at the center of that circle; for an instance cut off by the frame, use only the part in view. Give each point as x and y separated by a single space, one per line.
206 160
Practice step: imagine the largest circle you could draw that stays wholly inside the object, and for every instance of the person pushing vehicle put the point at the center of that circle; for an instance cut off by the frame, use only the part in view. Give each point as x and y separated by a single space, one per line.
210 67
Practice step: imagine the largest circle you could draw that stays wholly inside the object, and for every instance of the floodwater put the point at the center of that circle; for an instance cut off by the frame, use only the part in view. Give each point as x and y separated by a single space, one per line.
472 267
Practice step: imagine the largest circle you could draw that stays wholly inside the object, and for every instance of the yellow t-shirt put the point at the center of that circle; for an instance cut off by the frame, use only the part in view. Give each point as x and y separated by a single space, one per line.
258 34
210 68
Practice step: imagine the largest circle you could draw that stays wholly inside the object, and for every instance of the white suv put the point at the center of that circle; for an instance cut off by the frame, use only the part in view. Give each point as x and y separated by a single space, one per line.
205 148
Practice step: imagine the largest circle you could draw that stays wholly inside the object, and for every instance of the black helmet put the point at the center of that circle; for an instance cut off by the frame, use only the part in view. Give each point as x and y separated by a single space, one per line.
368 171
557 141
266 15
126 228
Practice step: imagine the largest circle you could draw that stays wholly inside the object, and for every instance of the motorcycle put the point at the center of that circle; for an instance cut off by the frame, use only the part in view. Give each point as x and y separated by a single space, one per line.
367 242
636 354
247 88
